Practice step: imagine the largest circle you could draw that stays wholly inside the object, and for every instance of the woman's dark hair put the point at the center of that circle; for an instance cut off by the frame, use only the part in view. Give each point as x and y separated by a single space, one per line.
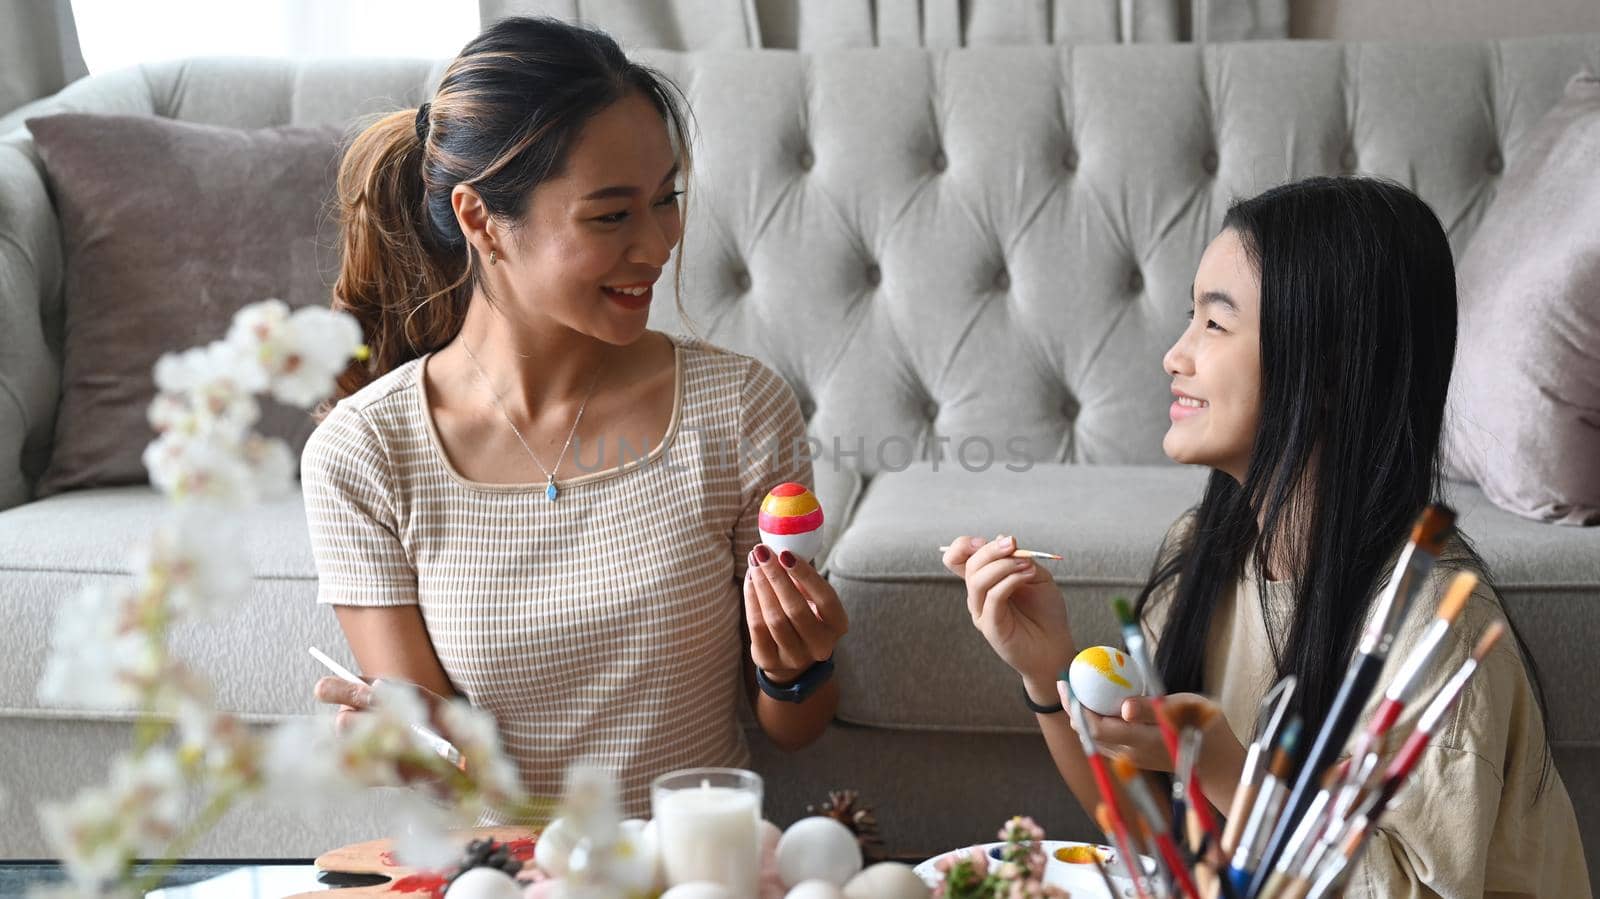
1358 334
505 116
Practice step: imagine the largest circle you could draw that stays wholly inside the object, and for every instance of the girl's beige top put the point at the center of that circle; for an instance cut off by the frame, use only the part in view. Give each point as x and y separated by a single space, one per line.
605 626
1473 820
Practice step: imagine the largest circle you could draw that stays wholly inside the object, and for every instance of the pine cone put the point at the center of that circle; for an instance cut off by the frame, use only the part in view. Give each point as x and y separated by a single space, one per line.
845 806
486 853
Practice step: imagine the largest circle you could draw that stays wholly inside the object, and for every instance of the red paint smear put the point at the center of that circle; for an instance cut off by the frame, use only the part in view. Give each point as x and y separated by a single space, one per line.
522 849
387 858
432 884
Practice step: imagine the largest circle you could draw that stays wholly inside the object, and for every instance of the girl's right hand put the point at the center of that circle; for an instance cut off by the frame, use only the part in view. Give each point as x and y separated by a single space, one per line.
1016 606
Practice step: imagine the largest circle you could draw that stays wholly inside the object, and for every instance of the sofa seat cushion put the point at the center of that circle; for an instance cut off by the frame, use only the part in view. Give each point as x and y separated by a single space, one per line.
913 660
254 653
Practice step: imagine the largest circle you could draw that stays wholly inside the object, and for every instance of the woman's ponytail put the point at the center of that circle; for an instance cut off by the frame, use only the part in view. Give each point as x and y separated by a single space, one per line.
403 285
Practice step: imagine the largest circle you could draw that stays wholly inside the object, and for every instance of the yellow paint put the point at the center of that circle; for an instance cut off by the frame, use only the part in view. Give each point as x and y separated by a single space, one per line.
785 506
1097 658
1080 855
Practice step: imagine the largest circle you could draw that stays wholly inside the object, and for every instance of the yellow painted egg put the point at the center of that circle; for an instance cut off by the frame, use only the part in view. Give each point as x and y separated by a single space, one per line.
791 519
1102 677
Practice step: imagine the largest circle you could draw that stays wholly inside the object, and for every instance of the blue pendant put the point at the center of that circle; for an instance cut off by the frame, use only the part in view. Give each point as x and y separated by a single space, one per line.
550 491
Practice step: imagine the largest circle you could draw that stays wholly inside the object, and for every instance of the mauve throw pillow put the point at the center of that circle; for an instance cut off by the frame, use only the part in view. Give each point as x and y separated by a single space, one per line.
1524 419
169 228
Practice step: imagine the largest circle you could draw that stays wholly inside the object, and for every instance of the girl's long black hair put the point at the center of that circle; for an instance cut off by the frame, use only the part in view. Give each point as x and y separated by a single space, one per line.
1358 334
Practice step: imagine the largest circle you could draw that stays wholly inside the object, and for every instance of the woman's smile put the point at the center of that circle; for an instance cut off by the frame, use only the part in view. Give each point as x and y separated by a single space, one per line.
630 296
1185 406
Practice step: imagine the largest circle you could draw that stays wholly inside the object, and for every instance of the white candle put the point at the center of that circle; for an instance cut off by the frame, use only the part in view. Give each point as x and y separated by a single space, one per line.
710 832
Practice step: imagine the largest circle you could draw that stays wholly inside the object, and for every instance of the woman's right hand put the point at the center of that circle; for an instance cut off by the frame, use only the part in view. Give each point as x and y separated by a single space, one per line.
1017 607
356 699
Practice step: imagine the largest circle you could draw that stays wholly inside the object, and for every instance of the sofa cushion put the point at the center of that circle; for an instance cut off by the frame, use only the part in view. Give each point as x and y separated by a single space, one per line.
913 660
254 653
220 218
1525 398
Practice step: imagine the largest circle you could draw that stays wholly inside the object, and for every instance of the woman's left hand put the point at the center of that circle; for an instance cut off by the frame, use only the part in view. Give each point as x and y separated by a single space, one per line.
793 615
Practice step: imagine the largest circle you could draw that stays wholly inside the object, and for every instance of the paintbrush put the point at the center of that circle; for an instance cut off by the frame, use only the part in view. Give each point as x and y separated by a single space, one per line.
427 735
1268 806
1169 723
1328 874
1416 560
1309 826
1102 779
1299 863
1103 817
1191 721
1105 876
1333 872
1403 686
1022 554
1440 706
1183 765
1269 717
1145 801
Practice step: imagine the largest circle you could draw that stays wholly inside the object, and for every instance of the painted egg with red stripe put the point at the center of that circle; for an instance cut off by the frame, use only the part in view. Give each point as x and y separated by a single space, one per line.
791 519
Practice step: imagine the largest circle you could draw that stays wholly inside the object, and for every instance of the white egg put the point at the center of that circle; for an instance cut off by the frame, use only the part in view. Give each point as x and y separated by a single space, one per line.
814 889
484 883
886 880
804 546
554 847
818 848
632 861
770 835
699 889
1102 677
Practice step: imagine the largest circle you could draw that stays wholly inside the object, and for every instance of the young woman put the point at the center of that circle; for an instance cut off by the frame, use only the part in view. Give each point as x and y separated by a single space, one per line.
1312 381
527 498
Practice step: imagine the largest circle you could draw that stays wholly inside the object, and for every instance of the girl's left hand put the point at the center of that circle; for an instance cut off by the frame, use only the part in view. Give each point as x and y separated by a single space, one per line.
1136 736
794 617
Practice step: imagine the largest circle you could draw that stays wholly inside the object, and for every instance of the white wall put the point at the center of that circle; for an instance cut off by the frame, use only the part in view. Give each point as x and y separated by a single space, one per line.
1439 19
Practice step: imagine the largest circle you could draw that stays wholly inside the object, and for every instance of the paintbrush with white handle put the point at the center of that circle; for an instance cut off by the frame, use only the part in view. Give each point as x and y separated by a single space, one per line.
433 740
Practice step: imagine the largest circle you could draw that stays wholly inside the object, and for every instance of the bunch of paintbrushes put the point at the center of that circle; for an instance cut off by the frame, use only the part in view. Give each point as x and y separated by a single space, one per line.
1299 816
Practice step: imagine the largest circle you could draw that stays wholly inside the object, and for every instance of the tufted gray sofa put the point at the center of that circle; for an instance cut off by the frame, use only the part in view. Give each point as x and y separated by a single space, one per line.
948 254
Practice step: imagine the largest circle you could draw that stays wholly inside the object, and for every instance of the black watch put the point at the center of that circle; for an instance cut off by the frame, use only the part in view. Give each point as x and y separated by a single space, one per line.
806 684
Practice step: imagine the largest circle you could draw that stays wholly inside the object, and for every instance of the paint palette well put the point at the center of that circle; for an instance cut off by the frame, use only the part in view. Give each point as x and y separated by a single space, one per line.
1068 865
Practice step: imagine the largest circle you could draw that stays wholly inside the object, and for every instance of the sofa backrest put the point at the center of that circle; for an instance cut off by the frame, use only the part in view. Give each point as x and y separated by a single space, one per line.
943 252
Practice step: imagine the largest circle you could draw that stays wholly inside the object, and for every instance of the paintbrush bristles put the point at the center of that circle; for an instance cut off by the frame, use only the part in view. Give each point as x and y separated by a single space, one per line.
1432 527
1490 637
1124 611
1455 598
1102 817
1124 767
1185 715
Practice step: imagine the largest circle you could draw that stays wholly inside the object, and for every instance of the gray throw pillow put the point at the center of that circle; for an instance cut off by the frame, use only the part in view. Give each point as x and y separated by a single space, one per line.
169 228
1524 418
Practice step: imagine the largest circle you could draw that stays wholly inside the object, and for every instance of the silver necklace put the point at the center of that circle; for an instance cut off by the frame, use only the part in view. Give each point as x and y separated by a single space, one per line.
550 491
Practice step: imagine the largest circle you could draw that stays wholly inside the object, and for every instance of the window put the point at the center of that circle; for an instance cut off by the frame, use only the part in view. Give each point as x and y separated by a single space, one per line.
117 33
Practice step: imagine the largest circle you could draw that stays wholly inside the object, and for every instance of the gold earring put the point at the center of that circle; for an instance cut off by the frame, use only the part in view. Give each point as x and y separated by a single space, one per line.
493 257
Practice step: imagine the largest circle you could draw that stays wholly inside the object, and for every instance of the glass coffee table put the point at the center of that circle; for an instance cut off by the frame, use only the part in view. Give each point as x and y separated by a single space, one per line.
205 879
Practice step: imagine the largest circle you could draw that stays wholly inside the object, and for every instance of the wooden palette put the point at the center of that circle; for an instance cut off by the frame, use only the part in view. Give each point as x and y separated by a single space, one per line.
377 857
